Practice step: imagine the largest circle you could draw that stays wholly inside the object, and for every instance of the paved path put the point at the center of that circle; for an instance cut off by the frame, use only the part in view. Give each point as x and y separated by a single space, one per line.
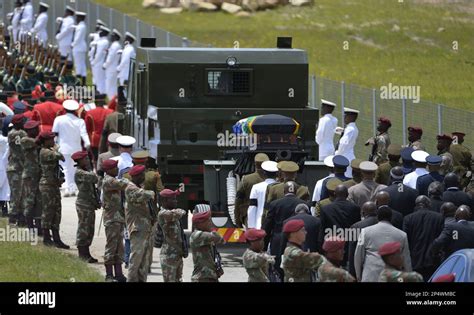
231 254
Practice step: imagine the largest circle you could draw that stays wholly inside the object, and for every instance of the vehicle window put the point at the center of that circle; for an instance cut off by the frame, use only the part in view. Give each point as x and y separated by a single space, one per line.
447 266
459 268
229 82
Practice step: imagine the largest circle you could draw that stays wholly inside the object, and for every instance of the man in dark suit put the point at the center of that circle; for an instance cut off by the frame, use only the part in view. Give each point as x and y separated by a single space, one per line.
434 165
447 210
312 225
422 227
435 192
369 217
455 236
280 210
382 200
402 197
454 194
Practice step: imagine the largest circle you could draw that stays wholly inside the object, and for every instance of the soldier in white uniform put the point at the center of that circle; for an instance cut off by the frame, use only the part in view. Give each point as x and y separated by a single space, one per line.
70 130
111 63
94 37
326 129
79 47
40 29
26 19
16 21
66 32
319 184
257 195
99 59
128 53
348 137
419 158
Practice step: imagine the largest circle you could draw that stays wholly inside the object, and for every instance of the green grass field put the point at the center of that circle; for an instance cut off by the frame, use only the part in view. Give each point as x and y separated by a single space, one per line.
407 43
23 262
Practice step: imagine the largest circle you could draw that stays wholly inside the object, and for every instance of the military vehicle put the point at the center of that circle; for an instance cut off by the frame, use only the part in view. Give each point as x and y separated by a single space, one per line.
183 100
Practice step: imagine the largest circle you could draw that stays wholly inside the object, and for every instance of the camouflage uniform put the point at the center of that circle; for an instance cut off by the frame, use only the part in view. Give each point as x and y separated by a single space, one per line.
114 219
256 265
299 265
31 177
49 188
462 158
382 141
417 145
171 255
15 170
330 273
390 274
202 244
243 195
382 175
86 204
139 224
320 204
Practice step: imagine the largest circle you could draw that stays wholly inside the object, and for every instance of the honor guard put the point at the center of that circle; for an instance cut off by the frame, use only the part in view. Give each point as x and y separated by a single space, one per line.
47 111
255 261
128 53
113 123
380 142
94 37
462 158
326 129
40 27
414 137
349 136
112 152
110 64
330 270
26 19
95 119
392 257
98 60
79 47
444 143
65 33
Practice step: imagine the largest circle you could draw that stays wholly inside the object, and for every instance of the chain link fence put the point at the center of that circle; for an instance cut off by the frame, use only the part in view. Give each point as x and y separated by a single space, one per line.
433 118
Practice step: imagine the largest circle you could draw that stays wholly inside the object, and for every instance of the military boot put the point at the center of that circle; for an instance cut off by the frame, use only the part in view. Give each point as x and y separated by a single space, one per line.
109 274
57 240
82 253
92 260
119 277
47 238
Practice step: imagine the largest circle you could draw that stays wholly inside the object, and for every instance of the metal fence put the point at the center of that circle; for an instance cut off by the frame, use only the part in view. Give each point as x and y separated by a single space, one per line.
113 18
433 118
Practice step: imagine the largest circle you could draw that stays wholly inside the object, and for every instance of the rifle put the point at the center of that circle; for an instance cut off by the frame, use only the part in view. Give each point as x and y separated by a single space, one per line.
217 261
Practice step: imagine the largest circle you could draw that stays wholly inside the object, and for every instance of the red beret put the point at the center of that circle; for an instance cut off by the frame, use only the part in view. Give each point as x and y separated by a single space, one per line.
459 134
137 170
109 164
293 226
445 278
47 135
17 119
444 137
169 193
79 155
31 124
333 244
385 120
201 216
389 248
254 234
415 129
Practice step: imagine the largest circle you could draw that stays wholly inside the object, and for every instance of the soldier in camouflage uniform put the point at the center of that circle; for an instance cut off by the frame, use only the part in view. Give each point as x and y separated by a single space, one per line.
330 270
86 203
173 249
202 243
298 266
382 175
444 142
242 198
139 222
15 170
414 138
462 158
256 262
31 175
114 220
380 142
49 187
392 257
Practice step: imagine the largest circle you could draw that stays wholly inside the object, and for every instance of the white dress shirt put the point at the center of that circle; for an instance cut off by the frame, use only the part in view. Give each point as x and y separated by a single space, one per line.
325 135
348 141
79 41
411 178
254 213
113 58
64 37
70 130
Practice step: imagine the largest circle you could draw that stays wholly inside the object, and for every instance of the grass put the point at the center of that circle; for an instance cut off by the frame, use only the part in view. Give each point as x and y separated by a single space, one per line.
407 43
24 262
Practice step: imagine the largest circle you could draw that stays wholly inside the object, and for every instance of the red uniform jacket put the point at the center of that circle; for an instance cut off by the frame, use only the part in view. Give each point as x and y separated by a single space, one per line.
45 113
95 119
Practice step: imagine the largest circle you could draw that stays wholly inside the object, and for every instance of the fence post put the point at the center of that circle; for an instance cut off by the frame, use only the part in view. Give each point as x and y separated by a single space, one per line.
313 91
185 42
111 20
404 120
374 112
124 24
138 31
440 119
152 31
343 96
168 39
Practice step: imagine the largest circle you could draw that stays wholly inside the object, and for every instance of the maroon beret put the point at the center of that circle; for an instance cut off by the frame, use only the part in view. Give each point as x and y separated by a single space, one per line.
254 234
109 164
444 137
415 129
136 170
79 155
333 244
17 119
201 216
293 226
385 120
31 124
445 278
169 193
47 135
458 134
389 248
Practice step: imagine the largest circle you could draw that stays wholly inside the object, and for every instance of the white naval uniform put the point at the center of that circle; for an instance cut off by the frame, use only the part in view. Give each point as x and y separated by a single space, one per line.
110 66
92 47
98 62
16 24
27 17
41 28
79 49
254 213
64 37
4 186
325 135
70 130
347 143
318 189
411 178
123 68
